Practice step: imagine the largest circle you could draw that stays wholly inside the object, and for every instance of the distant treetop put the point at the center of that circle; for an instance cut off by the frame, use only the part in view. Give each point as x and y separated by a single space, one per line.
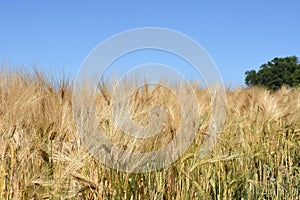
275 73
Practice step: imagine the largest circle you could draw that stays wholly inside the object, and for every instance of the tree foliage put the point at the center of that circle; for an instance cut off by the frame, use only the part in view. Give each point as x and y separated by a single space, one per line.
275 73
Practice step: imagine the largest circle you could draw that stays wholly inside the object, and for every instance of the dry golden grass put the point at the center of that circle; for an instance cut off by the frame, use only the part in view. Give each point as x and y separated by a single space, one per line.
42 157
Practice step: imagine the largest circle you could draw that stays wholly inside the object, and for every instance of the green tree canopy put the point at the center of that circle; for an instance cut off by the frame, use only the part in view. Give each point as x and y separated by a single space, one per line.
275 73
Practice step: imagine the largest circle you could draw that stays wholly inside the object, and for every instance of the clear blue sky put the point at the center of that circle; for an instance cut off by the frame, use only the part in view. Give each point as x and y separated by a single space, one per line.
238 35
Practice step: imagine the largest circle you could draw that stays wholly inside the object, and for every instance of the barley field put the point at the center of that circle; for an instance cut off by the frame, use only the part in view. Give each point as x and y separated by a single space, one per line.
42 157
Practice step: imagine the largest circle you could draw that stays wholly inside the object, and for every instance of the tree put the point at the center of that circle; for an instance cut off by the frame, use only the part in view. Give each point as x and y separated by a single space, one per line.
275 73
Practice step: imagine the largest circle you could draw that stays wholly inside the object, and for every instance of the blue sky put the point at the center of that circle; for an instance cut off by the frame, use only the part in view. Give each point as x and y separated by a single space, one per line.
238 35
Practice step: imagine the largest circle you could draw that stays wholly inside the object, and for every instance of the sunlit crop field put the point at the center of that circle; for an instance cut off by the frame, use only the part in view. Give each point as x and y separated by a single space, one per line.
42 157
